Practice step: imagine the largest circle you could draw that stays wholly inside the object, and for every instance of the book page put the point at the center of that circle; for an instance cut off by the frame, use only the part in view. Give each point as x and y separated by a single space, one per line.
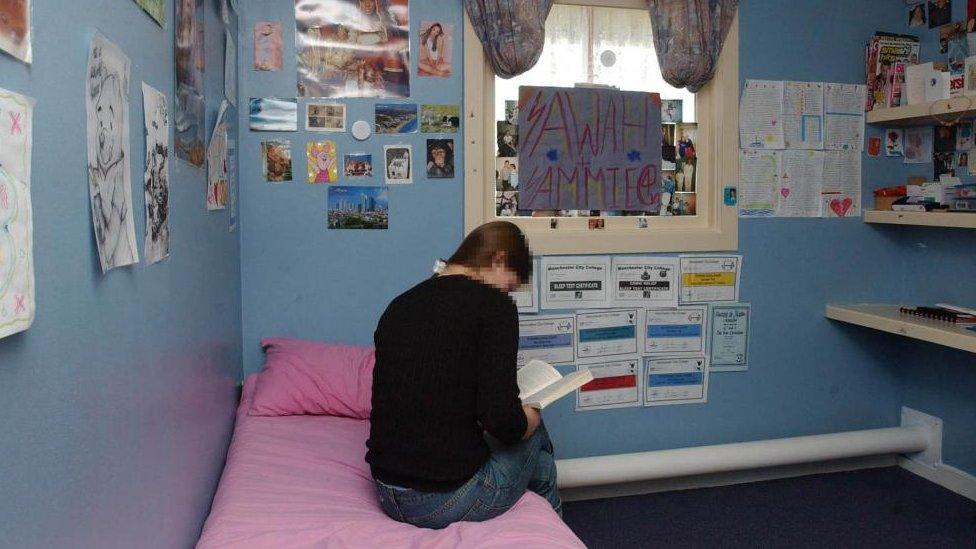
844 117
535 376
761 115
803 111
758 182
559 389
801 184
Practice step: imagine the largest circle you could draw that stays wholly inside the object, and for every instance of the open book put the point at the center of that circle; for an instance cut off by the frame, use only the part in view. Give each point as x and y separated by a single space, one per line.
540 384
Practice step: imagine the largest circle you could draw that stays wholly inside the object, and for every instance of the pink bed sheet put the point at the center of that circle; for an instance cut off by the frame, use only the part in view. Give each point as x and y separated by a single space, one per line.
302 481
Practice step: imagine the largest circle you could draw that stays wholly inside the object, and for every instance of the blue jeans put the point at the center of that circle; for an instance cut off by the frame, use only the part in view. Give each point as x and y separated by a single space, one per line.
494 489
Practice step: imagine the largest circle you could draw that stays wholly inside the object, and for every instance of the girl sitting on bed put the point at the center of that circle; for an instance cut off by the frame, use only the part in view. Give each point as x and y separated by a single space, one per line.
449 438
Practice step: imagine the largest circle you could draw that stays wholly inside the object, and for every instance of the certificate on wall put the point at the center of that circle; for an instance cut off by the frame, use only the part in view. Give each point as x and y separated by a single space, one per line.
680 330
615 384
706 278
606 333
547 338
675 380
645 281
729 344
526 297
575 282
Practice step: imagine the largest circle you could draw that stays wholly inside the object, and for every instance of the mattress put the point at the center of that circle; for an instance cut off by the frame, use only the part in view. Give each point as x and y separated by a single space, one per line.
302 481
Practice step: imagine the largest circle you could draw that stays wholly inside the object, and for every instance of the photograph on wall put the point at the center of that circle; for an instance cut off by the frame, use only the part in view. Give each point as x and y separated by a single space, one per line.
110 186
325 117
943 164
268 54
511 111
189 117
940 13
271 114
506 203
358 208
507 137
399 164
671 111
353 48
323 166
396 118
506 174
894 142
15 28
436 49
684 203
440 158
276 160
155 8
156 176
358 165
669 152
440 118
218 189
916 15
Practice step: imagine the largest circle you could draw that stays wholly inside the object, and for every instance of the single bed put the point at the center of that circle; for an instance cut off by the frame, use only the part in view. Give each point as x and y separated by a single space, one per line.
302 481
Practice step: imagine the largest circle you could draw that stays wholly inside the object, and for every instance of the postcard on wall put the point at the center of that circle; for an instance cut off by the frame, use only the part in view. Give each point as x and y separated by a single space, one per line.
16 134
17 301
844 116
803 115
439 118
842 184
267 46
276 160
358 208
679 330
323 165
615 384
607 333
918 145
729 337
645 281
761 115
801 183
675 380
706 278
15 28
156 176
398 161
548 338
271 114
570 282
440 158
358 165
230 68
759 175
526 297
436 49
396 118
110 186
672 111
325 117
353 48
894 142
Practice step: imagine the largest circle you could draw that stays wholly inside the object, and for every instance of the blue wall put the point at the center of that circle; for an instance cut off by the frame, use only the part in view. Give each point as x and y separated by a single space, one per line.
118 403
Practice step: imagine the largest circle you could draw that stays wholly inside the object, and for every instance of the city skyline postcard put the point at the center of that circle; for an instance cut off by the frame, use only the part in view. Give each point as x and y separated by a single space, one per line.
356 207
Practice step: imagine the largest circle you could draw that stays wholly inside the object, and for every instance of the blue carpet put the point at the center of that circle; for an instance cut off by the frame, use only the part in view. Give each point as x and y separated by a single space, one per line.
885 508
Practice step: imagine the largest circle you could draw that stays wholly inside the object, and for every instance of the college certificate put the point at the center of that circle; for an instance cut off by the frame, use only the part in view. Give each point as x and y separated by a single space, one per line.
675 380
730 337
571 282
645 281
615 385
547 338
606 333
680 330
707 278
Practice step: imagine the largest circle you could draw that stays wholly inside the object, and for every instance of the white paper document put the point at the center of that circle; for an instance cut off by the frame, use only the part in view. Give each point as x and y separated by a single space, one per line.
675 380
540 384
801 183
547 338
645 281
729 332
761 115
759 173
606 333
844 116
842 184
526 297
575 282
706 278
681 330
615 384
803 115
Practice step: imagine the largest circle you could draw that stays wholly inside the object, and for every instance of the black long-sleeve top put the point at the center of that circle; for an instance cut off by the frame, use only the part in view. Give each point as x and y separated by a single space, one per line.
445 372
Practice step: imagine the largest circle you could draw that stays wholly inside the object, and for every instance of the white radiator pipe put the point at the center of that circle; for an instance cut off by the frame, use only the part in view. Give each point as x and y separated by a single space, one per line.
720 458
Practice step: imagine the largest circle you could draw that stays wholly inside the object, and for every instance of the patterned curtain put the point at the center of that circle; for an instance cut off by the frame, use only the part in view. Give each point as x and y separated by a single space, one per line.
512 32
688 37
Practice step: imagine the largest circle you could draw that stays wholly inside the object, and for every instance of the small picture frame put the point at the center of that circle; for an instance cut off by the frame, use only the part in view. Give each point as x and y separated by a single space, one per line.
325 117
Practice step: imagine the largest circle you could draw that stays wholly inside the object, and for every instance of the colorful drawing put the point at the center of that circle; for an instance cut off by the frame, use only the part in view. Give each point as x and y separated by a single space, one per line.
322 163
353 48
358 165
267 46
156 176
440 158
271 114
276 160
399 165
436 49
396 118
358 208
573 155
156 9
440 118
16 218
15 28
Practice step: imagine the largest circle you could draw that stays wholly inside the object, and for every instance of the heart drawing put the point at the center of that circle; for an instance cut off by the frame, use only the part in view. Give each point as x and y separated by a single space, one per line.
785 191
840 207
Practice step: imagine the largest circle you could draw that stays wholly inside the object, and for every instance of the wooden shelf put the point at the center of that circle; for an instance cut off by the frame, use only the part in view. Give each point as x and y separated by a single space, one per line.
920 114
963 220
887 319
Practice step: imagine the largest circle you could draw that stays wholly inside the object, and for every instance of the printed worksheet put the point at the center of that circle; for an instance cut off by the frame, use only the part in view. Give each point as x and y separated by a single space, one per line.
844 117
675 380
759 173
729 332
801 183
680 330
645 281
803 115
575 282
761 115
706 278
547 338
615 384
526 297
842 184
606 333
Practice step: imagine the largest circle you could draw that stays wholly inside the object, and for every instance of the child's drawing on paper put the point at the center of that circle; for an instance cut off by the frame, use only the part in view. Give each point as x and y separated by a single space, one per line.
16 256
156 177
322 163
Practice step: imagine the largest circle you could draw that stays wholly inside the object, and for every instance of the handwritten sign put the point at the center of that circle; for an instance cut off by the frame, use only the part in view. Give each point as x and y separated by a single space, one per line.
589 149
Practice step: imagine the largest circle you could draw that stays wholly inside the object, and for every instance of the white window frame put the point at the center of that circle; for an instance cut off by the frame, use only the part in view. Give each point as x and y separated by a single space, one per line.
715 228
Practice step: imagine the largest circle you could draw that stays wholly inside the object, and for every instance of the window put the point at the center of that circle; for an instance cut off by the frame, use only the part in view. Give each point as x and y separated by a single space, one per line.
604 42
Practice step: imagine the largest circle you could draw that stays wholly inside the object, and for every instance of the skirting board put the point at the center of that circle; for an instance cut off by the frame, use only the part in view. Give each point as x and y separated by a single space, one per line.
944 475
726 479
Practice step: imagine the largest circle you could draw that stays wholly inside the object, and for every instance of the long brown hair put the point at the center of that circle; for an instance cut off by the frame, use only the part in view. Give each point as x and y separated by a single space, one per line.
479 248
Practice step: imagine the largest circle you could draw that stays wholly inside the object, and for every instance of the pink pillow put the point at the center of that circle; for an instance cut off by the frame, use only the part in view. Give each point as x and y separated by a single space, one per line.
309 377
